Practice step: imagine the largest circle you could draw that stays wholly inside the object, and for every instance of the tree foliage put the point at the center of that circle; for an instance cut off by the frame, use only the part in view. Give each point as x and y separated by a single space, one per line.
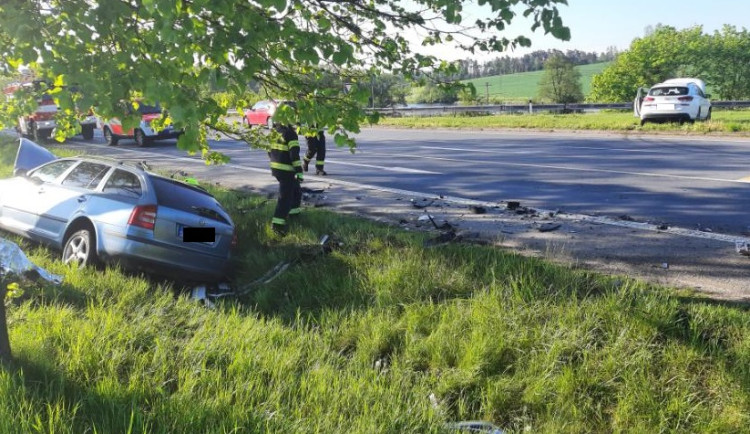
721 59
167 50
665 53
726 63
561 82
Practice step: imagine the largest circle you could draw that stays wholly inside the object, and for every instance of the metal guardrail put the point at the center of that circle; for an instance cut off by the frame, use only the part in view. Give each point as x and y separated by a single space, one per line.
524 108
518 108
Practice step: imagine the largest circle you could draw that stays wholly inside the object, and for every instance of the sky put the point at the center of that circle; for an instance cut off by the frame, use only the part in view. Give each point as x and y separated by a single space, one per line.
598 24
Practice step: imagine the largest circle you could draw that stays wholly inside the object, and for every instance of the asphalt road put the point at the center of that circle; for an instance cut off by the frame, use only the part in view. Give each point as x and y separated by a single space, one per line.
688 182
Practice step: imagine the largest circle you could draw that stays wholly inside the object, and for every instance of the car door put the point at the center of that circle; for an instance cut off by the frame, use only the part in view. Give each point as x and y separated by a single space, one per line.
63 201
24 195
640 94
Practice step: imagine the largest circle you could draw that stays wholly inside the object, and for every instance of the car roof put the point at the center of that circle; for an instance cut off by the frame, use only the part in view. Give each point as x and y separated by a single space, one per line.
684 82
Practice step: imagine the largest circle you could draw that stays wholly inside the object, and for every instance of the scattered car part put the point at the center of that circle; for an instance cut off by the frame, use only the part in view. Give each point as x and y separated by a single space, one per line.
549 227
14 261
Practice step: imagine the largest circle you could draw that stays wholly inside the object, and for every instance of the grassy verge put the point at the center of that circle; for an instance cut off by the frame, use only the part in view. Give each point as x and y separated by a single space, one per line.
723 121
379 336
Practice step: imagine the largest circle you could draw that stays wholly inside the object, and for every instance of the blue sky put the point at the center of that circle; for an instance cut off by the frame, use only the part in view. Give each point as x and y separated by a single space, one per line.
598 24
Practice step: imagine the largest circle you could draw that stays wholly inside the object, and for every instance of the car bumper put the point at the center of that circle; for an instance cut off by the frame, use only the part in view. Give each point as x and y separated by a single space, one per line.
141 253
88 120
666 116
45 125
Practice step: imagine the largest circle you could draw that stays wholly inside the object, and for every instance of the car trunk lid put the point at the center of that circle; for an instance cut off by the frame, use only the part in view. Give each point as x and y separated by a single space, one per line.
31 155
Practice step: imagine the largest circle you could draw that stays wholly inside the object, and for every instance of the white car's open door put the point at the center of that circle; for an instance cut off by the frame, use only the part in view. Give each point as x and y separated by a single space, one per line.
642 92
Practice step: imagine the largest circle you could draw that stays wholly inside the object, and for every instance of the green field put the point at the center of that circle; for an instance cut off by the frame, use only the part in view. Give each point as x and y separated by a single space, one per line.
380 335
524 86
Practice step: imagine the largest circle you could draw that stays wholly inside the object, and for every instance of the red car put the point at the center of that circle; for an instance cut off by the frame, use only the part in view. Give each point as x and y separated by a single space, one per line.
262 113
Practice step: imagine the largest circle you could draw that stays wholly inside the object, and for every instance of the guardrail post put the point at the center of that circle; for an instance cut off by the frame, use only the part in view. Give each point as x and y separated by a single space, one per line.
531 108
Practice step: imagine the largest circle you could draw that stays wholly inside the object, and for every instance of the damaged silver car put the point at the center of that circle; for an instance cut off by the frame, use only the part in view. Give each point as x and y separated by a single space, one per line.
95 209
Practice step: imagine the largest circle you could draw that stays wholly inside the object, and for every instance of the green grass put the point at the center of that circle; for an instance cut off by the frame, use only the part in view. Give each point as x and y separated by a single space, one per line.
525 85
723 121
359 339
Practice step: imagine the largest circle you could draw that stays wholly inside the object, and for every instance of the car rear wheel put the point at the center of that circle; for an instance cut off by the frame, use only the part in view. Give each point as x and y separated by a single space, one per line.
79 249
140 137
109 137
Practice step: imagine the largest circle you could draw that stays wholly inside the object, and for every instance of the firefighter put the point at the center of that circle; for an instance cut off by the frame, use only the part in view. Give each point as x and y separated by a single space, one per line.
286 167
316 147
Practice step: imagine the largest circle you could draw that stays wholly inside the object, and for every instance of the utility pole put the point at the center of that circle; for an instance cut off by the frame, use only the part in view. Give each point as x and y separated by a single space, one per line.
372 90
487 91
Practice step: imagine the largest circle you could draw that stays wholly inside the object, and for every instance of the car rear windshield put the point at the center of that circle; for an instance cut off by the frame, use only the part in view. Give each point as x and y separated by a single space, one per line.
183 197
669 91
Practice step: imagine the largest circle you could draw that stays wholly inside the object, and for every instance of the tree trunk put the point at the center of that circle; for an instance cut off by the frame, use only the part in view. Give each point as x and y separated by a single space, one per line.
5 354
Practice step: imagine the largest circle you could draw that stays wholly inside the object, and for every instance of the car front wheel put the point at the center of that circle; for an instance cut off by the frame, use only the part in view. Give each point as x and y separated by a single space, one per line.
140 137
79 249
109 137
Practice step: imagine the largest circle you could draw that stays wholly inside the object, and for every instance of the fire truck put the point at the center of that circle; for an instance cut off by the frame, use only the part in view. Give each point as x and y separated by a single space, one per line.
40 124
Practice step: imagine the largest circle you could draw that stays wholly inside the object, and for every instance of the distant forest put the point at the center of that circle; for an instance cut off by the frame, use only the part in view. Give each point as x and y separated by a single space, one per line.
534 61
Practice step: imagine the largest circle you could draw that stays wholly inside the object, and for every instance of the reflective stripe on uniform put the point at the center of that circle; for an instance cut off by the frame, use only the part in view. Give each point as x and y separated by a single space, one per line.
282 166
279 146
293 143
320 163
295 211
297 163
278 221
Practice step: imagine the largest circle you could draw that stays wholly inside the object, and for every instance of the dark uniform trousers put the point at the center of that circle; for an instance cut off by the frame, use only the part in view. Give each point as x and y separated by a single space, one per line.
316 147
290 197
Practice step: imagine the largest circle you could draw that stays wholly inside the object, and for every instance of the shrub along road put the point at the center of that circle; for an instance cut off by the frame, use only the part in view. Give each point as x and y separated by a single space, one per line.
667 208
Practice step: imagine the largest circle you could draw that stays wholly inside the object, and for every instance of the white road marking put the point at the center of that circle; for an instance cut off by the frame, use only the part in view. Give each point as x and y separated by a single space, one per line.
574 169
389 169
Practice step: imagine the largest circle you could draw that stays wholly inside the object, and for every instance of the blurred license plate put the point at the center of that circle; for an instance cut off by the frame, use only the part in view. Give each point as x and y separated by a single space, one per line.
196 235
665 106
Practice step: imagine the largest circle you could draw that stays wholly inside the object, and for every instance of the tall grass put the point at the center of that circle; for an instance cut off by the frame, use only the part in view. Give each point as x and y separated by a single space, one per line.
378 336
723 121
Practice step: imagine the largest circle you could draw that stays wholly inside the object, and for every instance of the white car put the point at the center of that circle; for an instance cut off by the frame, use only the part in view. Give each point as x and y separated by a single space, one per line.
678 99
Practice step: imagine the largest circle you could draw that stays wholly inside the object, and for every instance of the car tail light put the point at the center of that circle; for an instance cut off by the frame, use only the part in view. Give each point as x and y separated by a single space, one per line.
648 98
143 216
685 98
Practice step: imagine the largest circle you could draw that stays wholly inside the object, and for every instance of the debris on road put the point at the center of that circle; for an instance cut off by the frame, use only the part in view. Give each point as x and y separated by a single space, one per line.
478 209
513 205
742 247
662 227
422 204
626 218
549 227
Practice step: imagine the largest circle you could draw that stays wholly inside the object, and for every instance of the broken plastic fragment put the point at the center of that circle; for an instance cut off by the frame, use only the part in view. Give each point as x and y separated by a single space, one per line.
14 261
